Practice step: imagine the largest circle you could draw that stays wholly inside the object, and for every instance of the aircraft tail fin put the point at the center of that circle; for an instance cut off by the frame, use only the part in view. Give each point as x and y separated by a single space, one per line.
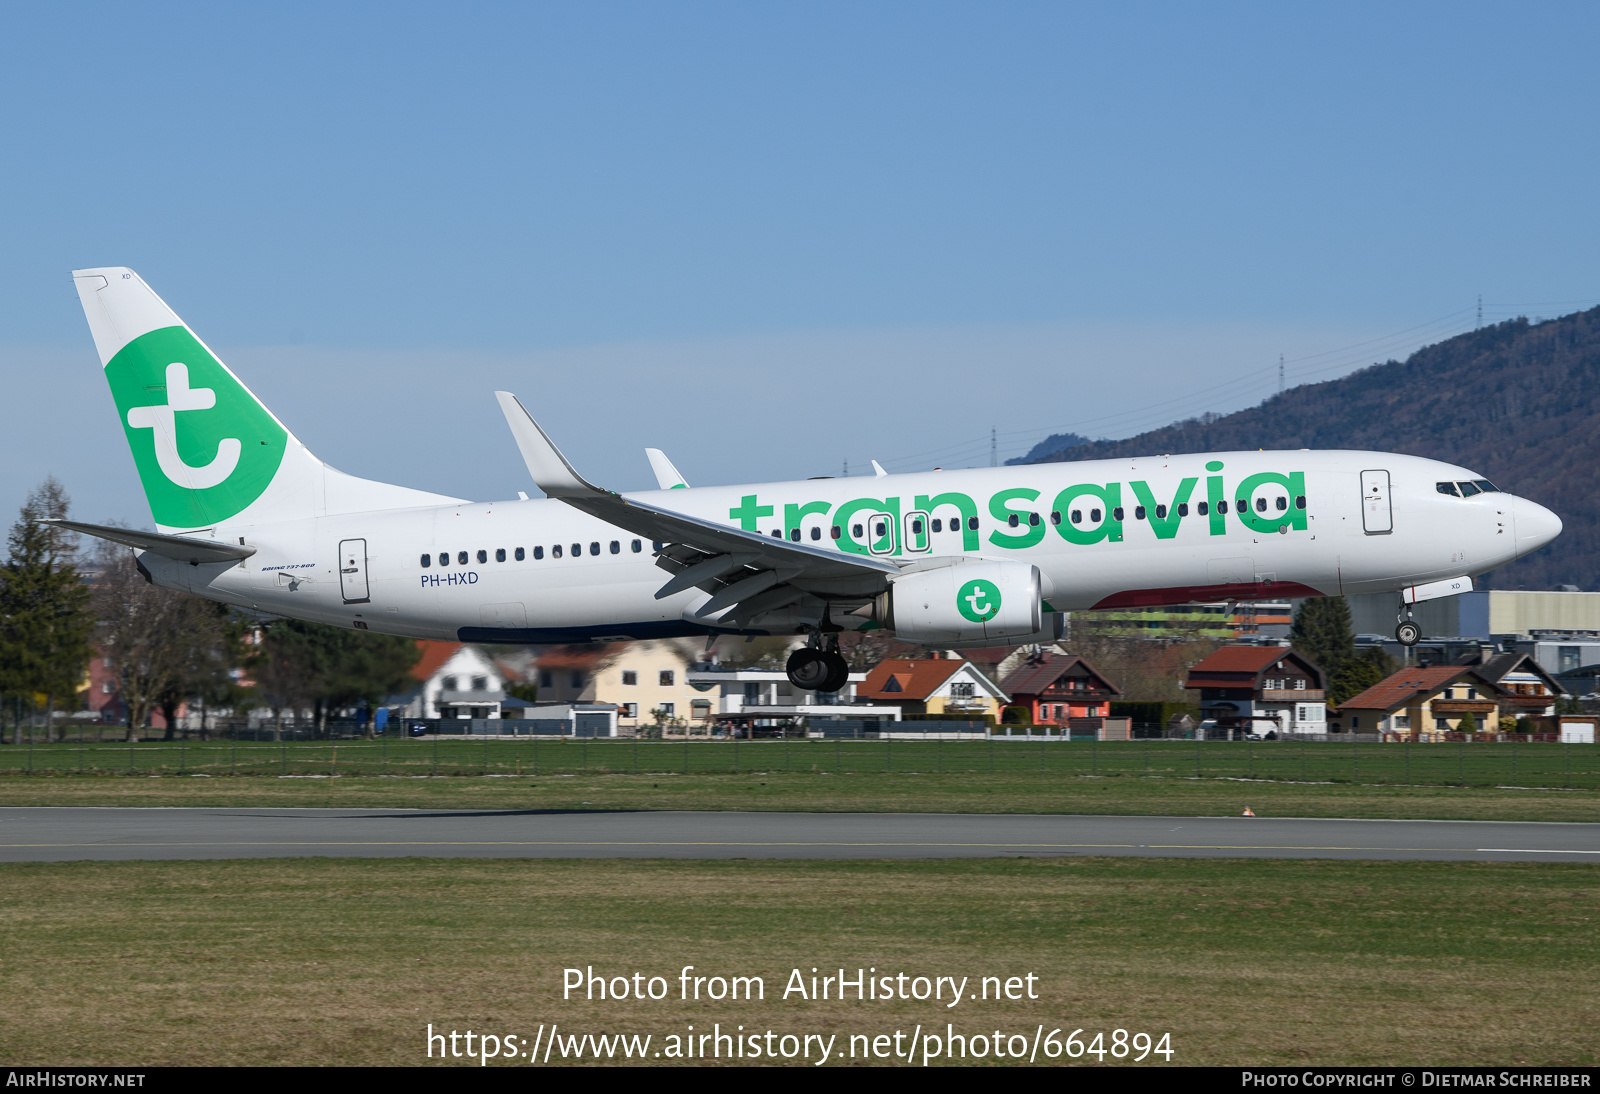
207 450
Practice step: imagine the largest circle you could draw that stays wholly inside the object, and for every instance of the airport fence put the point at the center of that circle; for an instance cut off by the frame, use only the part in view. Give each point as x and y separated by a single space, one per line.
1460 763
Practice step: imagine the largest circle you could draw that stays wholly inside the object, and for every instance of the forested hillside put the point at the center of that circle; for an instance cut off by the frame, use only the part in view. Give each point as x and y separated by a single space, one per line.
1517 402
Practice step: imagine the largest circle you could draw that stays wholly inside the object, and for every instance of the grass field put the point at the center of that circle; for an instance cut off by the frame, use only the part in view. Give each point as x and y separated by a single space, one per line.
1018 792
346 962
1457 764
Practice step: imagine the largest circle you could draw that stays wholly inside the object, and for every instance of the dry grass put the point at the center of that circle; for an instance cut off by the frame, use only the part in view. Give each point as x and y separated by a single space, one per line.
341 961
1014 792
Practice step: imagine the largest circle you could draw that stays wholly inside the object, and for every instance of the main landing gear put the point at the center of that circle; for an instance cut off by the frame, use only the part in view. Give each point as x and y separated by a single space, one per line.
818 666
1407 633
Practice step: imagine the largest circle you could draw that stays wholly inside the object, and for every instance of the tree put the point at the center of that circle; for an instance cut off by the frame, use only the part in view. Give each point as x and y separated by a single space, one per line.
1468 723
1322 631
46 629
331 667
142 633
1356 674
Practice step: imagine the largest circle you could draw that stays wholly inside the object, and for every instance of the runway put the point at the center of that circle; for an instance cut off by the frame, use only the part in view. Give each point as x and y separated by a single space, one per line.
112 834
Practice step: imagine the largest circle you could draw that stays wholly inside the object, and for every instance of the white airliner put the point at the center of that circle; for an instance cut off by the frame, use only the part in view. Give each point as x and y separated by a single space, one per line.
248 516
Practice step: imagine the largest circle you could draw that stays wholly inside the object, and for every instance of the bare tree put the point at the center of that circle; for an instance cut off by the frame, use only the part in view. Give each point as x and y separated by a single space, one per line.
138 622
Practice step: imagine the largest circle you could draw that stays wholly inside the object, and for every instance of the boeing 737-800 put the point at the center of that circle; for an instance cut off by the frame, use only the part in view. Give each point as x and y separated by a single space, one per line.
248 516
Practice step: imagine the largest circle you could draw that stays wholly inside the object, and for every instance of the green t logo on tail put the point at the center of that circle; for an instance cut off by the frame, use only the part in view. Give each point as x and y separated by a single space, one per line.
204 446
978 601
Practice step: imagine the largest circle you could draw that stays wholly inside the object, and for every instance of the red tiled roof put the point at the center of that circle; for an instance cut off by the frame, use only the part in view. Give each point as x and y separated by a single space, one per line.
434 655
916 679
1240 659
1034 677
1406 684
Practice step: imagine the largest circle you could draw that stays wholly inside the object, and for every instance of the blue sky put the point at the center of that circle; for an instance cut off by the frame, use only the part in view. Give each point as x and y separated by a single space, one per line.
770 239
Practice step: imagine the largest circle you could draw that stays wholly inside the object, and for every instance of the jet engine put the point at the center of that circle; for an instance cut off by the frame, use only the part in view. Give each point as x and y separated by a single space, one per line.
966 601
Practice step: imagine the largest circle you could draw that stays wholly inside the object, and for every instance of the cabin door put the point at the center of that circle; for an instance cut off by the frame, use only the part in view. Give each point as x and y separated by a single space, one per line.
1377 519
353 571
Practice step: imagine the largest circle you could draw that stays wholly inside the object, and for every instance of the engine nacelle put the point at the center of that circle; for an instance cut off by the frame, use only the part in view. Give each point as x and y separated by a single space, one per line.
967 601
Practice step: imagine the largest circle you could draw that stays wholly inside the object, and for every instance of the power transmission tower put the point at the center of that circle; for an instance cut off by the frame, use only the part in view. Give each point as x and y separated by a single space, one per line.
993 448
1280 374
847 467
1480 312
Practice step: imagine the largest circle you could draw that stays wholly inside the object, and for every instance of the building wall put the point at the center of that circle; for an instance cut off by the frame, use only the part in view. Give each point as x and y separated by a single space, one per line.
1483 613
643 663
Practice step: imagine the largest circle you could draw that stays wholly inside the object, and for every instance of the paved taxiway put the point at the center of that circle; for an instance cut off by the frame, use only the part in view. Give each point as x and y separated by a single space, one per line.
63 834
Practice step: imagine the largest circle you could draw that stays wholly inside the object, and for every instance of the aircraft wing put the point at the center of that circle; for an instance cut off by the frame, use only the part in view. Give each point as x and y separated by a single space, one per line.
747 574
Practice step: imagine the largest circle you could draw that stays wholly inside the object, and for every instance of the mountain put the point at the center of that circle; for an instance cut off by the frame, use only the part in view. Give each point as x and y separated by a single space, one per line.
1518 402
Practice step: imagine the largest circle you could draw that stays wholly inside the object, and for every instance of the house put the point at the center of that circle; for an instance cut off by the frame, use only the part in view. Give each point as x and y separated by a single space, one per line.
1260 689
764 697
1527 688
1060 689
937 685
640 678
1423 704
455 680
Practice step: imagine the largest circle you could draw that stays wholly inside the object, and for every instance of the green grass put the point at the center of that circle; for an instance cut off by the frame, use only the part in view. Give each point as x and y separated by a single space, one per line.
1005 792
1243 962
1548 766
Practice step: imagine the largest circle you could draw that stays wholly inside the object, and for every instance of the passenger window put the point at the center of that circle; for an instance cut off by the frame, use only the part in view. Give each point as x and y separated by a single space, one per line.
637 547
594 547
1161 512
1222 507
1446 488
938 525
461 557
777 533
483 556
1468 490
555 552
972 523
616 547
1299 501
1138 512
1486 486
1281 502
520 554
538 552
882 529
657 544
855 530
816 532
916 528
1094 516
444 558
1261 505
1183 509
427 560
577 550
794 535
1202 508
834 532
1055 516
499 554
1033 520
1013 521
1244 505
1116 514
1076 516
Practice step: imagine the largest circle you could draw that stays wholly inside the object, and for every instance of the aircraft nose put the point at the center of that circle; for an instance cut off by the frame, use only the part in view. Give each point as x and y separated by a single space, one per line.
1535 525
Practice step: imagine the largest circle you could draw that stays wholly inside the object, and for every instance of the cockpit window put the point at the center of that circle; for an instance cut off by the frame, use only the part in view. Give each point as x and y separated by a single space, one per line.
1486 486
1446 488
1468 490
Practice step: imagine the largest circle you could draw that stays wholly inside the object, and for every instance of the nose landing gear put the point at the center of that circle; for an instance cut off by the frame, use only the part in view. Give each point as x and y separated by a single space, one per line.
1407 633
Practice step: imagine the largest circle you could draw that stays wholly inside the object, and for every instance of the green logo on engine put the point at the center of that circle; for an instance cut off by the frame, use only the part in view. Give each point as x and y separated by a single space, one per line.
978 601
204 447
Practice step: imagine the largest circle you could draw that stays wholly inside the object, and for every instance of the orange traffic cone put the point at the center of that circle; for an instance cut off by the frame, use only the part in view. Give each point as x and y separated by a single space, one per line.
1248 812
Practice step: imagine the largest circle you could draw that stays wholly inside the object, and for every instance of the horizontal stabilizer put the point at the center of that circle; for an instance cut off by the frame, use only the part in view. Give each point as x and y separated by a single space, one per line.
179 548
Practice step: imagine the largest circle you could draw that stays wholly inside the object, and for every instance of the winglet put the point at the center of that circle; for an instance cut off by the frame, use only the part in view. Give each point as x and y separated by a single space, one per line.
550 470
666 475
877 469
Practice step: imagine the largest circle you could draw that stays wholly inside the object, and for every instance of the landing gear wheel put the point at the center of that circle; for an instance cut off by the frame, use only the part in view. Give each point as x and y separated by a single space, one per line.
817 670
1408 633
